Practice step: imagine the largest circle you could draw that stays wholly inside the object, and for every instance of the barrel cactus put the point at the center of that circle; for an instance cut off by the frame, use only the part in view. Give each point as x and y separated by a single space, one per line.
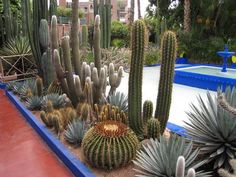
110 145
168 53
135 78
153 128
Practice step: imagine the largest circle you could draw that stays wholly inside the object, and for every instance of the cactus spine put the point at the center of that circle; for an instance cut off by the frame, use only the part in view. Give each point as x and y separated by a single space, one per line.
135 78
110 145
75 37
65 44
147 111
84 36
153 128
180 168
97 39
168 53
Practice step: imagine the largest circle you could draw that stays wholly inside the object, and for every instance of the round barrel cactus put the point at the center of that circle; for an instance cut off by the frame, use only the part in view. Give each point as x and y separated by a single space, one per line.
109 145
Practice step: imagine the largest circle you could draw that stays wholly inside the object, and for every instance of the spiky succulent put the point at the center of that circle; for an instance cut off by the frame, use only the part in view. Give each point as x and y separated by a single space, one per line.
58 101
27 85
34 103
75 132
214 128
159 158
120 100
109 145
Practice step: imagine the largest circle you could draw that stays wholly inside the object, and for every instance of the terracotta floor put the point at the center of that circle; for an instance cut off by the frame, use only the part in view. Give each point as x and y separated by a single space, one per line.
22 152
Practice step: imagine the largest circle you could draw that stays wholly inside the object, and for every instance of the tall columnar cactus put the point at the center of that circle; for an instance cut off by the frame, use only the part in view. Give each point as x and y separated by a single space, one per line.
135 78
84 42
147 111
54 33
53 8
168 54
108 23
97 39
75 37
110 145
180 168
153 128
8 19
95 7
44 35
65 44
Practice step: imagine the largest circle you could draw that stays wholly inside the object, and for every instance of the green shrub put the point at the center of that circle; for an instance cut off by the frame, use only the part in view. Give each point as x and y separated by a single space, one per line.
119 30
152 56
118 43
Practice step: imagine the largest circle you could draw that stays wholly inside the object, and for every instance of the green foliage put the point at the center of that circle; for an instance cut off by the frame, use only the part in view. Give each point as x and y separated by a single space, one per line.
16 46
118 43
168 54
159 158
110 145
214 128
152 56
67 12
120 100
75 132
119 30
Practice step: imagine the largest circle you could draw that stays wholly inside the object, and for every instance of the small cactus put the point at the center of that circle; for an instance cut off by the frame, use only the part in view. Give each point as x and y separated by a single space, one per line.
153 128
147 111
180 168
225 173
114 78
84 36
39 86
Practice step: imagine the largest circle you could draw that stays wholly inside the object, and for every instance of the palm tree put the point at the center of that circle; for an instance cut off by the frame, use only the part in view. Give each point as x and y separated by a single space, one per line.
187 12
131 18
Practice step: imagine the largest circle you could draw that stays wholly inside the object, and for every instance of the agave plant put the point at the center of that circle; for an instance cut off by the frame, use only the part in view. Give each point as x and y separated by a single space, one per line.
16 46
120 100
75 132
34 103
27 85
58 101
215 128
159 158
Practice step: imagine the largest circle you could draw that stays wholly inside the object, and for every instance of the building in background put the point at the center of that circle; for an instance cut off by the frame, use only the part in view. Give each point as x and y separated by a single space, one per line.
119 9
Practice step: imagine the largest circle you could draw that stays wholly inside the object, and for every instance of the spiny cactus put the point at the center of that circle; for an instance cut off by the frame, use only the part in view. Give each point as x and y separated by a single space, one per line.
44 36
224 104
135 78
109 112
75 38
55 87
180 168
114 78
153 128
39 86
98 81
54 33
225 173
147 111
65 44
84 42
97 41
168 54
110 145
84 111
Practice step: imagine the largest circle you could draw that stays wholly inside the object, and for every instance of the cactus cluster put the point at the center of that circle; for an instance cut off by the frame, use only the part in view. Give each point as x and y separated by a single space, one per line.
109 112
180 168
110 145
225 173
153 128
168 54
55 87
135 78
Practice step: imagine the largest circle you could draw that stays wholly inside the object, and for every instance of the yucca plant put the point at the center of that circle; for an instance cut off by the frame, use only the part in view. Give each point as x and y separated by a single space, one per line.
120 100
16 46
75 132
159 158
58 101
34 103
214 128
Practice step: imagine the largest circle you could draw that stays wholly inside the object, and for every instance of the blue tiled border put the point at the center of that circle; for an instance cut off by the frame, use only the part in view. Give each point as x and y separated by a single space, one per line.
76 167
201 80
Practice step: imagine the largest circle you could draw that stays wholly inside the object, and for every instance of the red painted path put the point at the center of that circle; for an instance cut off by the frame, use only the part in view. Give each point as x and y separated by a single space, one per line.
22 152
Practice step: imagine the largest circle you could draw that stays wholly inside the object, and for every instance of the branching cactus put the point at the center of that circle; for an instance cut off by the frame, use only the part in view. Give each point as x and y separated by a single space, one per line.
147 111
225 173
97 41
180 168
114 78
168 54
135 78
